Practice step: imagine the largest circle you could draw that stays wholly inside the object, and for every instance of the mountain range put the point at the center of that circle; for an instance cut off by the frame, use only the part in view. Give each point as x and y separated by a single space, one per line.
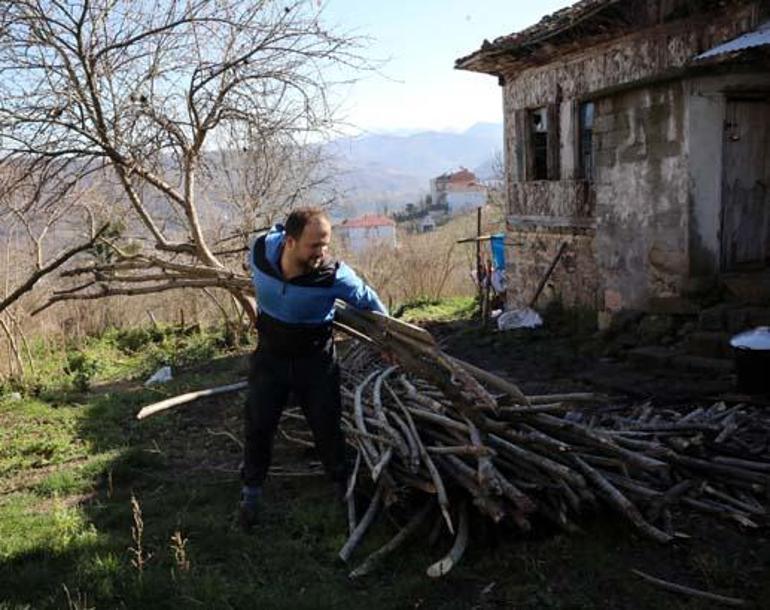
378 170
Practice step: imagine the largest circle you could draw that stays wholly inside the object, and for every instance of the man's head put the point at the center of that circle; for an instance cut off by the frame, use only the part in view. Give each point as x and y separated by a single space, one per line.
308 233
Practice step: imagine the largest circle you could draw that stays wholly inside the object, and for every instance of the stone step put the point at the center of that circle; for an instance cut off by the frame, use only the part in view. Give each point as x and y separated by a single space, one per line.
717 367
733 319
749 287
709 344
672 306
746 318
651 356
665 358
713 318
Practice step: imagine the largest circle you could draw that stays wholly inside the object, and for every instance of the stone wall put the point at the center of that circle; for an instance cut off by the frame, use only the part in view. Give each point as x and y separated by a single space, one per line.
602 69
563 198
574 281
645 54
630 231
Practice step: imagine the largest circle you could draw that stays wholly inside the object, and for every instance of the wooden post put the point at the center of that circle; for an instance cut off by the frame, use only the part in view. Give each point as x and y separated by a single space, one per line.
478 264
548 273
488 294
153 319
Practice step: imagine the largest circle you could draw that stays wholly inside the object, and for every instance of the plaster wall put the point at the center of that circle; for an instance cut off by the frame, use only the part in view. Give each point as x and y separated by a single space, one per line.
642 195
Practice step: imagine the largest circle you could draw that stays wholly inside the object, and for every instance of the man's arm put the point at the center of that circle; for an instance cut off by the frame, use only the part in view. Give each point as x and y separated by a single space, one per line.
353 290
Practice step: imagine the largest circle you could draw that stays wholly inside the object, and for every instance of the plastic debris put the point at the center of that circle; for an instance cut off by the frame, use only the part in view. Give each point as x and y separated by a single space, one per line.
162 375
519 318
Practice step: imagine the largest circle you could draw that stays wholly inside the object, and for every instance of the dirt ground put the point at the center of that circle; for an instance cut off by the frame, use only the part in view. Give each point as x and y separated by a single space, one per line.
502 569
550 360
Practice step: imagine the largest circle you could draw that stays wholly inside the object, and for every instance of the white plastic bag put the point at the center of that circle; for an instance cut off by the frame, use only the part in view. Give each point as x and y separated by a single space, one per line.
519 318
162 375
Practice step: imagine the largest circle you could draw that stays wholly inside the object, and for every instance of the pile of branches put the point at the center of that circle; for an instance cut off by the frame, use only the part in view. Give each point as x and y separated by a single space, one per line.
440 438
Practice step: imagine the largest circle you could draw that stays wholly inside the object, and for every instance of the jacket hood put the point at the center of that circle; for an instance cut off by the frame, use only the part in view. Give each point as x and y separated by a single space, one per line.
274 241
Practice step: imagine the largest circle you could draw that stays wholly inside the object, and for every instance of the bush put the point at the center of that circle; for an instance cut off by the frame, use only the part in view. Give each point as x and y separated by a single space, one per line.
132 340
177 350
81 368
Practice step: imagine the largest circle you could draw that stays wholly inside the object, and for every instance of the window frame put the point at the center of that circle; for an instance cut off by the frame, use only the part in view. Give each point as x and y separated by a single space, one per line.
586 154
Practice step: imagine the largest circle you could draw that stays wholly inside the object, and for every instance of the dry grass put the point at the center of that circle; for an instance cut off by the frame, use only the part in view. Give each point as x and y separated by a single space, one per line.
423 266
427 265
68 324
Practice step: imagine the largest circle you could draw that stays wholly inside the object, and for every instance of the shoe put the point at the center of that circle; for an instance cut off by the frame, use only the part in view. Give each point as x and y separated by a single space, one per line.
248 508
247 515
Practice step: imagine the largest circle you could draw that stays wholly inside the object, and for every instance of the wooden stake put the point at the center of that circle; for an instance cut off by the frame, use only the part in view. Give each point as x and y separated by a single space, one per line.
736 602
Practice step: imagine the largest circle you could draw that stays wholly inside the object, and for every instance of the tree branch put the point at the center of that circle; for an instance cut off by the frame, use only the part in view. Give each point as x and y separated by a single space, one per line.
60 260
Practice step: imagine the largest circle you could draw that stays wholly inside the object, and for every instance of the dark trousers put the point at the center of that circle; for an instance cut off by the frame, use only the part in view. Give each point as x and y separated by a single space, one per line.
314 380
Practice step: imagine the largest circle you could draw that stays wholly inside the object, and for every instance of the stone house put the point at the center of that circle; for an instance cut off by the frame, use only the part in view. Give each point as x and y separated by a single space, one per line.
459 191
638 132
367 231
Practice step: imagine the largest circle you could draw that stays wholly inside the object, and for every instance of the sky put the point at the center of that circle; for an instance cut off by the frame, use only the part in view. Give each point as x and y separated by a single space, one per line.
418 87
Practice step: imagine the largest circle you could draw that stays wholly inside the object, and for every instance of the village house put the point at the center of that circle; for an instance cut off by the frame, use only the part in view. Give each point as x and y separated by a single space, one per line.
370 230
638 132
427 224
458 191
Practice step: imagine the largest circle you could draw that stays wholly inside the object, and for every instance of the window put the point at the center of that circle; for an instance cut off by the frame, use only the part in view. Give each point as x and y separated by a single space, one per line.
586 140
539 143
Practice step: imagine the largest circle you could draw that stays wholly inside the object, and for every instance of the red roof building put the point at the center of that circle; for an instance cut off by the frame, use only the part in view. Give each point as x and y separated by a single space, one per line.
367 231
460 191
368 221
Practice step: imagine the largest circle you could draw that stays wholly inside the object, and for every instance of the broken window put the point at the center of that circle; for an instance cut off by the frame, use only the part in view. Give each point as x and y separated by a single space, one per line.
536 145
586 140
539 143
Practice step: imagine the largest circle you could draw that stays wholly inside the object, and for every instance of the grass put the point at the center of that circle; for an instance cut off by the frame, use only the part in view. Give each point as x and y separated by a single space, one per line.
72 461
443 310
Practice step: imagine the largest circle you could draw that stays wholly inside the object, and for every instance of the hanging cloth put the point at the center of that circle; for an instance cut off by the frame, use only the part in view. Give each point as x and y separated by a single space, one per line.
497 245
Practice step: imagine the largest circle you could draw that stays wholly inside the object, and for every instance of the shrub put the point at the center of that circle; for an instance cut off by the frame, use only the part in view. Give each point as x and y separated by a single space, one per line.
81 368
132 340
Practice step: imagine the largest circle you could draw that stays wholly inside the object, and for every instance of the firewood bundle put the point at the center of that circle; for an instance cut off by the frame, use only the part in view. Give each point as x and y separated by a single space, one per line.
442 438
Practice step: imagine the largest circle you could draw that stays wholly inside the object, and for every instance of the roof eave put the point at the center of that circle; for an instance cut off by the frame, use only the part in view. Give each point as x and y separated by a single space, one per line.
505 47
475 63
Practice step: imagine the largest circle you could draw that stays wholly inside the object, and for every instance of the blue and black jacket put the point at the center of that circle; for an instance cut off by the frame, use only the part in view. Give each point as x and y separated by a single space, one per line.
295 316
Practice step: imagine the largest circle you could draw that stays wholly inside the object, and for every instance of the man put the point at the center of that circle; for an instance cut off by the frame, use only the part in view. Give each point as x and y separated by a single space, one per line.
296 286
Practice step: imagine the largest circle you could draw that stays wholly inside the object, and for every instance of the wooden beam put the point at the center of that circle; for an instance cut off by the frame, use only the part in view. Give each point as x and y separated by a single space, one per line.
551 222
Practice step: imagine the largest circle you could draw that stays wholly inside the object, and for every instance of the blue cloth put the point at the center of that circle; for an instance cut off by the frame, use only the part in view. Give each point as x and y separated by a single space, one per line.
308 299
497 246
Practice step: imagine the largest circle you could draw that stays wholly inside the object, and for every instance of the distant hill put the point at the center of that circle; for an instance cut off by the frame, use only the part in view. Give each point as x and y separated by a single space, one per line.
393 169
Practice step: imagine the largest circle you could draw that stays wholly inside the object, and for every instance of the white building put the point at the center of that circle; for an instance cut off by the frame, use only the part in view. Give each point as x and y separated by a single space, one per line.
367 231
460 191
427 224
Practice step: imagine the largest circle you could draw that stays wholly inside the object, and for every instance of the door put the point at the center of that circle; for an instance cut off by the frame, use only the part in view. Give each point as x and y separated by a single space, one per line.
745 234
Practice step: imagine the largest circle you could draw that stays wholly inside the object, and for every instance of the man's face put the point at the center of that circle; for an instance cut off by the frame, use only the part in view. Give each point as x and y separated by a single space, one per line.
310 249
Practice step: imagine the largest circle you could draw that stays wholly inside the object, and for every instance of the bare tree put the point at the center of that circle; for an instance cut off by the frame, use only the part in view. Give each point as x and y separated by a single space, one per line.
495 184
47 218
156 100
